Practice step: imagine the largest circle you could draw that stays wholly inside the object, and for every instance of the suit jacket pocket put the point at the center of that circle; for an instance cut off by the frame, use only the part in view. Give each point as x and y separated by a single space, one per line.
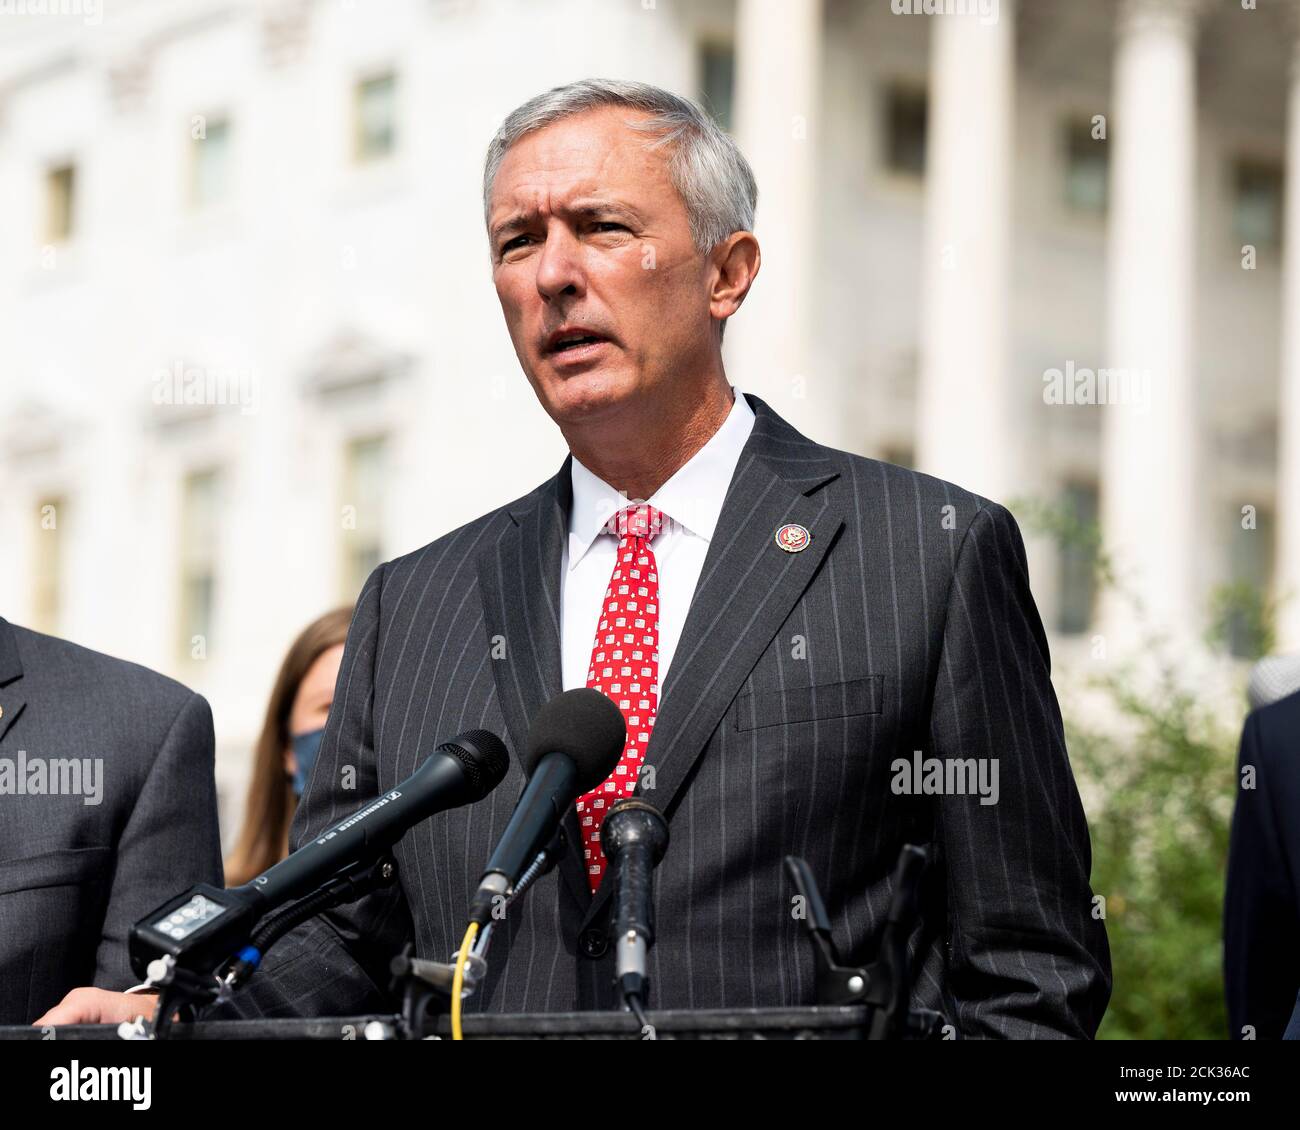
810 704
53 869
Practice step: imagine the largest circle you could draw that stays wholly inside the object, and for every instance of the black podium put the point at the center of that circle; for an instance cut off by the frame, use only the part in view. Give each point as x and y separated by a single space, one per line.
818 1023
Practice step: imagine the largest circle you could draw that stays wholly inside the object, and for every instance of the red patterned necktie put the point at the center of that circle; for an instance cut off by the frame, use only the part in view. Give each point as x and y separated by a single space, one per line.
625 665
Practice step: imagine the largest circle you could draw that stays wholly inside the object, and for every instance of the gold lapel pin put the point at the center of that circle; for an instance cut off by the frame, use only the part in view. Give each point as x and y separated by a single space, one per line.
793 538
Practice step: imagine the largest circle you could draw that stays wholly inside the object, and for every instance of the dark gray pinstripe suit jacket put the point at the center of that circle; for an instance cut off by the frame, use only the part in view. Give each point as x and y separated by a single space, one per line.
799 678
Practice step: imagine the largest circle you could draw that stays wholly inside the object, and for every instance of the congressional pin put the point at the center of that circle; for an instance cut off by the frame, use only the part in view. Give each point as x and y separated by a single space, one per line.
793 538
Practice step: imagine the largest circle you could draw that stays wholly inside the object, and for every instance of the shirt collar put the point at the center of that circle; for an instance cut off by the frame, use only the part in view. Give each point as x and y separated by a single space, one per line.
692 498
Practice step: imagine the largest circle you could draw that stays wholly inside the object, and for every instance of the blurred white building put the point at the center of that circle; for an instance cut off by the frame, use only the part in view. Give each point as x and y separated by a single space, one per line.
249 345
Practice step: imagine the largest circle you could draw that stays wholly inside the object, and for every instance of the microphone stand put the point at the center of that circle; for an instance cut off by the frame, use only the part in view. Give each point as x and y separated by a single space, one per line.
349 885
189 991
426 986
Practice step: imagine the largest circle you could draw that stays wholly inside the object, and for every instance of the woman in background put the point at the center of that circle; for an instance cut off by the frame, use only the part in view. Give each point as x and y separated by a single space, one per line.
287 747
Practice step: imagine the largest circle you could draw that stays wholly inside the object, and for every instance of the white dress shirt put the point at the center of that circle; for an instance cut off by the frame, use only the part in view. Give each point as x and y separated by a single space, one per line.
690 501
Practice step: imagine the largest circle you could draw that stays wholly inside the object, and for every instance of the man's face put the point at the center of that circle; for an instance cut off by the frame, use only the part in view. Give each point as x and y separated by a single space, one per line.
588 234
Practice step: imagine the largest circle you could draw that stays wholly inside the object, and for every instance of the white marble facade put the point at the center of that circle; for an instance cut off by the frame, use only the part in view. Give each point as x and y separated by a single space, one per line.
317 279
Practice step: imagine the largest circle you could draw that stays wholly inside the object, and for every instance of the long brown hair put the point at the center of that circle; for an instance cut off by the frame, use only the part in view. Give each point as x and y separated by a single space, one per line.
268 811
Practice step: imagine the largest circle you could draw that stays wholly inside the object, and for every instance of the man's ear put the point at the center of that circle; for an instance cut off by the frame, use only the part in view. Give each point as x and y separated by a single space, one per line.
736 261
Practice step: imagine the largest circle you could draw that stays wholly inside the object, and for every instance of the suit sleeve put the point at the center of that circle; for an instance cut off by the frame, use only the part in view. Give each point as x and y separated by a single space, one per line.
1260 963
170 841
337 963
1028 958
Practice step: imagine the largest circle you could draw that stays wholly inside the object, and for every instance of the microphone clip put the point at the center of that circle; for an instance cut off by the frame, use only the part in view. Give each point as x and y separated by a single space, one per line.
884 985
425 988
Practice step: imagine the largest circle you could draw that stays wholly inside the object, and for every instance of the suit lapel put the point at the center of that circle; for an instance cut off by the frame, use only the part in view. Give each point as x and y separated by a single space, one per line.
746 590
519 581
11 673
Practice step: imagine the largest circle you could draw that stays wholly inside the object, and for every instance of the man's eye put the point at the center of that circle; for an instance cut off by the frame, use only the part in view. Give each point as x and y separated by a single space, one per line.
511 244
609 225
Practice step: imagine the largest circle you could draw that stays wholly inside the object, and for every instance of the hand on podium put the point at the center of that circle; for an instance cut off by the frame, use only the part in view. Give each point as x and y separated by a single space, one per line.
99 1006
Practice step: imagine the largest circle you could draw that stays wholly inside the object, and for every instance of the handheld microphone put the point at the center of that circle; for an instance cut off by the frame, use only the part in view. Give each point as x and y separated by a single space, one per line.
574 743
206 925
634 837
458 772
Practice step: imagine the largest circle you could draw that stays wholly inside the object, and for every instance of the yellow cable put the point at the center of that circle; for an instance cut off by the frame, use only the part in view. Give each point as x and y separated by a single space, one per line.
458 981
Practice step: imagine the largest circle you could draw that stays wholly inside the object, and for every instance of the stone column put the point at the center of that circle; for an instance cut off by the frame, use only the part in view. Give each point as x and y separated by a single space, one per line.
769 347
1148 423
965 429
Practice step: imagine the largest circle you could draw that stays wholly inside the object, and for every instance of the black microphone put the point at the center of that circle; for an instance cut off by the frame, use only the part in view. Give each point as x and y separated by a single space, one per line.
634 837
574 743
458 772
207 924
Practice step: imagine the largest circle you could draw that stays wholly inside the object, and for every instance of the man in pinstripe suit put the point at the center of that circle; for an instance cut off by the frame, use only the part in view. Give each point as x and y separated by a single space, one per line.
820 618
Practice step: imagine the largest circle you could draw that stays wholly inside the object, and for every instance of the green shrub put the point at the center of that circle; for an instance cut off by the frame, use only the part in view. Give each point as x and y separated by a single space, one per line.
1159 856
1160 777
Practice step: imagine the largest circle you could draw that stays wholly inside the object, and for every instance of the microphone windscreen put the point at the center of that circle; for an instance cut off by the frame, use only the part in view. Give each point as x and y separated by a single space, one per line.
484 758
586 726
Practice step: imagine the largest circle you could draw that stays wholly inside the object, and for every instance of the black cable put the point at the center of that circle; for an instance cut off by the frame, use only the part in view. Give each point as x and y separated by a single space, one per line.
162 1022
342 889
634 1003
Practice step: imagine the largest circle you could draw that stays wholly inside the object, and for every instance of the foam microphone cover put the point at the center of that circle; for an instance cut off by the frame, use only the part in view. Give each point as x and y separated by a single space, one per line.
586 726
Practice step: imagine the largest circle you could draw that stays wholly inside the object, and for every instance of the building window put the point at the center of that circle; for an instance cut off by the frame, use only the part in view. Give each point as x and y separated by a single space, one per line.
1086 167
1257 203
375 118
905 115
210 165
364 479
200 527
60 201
1077 575
1242 613
717 81
48 564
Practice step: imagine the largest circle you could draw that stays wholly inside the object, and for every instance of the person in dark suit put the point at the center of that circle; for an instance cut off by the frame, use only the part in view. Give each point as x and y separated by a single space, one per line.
107 806
782 625
1261 906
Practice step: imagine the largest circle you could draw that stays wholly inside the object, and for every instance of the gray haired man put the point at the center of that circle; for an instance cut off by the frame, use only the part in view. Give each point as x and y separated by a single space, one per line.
779 623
